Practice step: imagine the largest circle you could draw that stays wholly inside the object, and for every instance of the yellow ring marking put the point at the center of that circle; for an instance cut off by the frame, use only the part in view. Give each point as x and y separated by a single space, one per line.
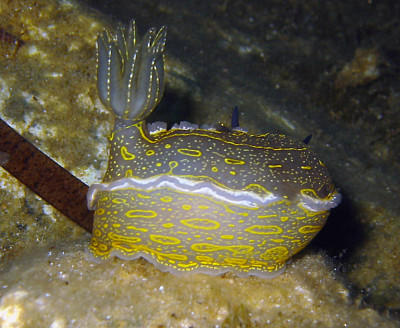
126 155
203 224
172 165
264 230
102 247
100 211
129 173
118 238
234 161
310 229
166 199
148 214
190 152
165 240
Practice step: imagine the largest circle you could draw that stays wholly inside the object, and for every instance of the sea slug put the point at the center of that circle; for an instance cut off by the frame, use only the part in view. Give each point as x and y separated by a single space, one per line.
197 199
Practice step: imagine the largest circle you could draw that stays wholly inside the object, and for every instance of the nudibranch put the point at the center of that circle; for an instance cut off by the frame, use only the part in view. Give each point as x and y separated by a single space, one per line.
196 199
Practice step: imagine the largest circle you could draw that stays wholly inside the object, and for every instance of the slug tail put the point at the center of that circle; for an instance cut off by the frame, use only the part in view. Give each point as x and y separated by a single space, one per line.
130 74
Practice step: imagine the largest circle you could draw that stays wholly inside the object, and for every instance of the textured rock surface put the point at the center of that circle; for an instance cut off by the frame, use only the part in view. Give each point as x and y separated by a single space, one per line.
63 288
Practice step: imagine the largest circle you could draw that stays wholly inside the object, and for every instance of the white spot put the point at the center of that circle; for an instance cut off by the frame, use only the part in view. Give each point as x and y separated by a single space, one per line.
184 125
156 127
58 323
54 74
11 311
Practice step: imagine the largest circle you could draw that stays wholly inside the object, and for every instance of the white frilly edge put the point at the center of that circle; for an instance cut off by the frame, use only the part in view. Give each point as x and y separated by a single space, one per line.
205 188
